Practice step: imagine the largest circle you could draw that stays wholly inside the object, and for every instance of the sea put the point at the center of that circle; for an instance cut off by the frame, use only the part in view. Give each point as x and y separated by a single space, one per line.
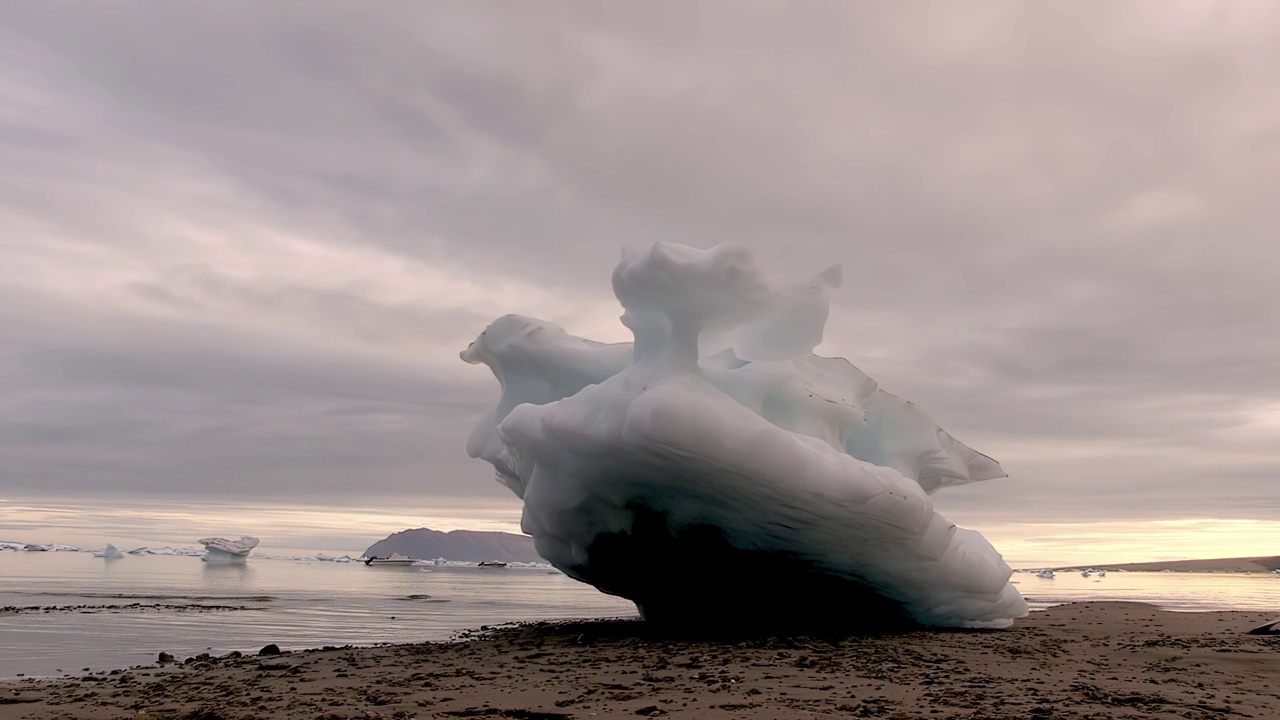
64 613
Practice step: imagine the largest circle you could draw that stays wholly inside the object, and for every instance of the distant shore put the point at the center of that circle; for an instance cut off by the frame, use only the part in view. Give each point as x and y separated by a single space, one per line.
1262 564
1089 660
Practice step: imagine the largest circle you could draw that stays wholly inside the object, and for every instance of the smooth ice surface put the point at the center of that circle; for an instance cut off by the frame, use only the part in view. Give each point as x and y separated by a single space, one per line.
717 459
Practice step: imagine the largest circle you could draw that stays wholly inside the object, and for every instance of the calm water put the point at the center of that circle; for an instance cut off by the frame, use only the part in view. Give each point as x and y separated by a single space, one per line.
299 604
1172 591
295 604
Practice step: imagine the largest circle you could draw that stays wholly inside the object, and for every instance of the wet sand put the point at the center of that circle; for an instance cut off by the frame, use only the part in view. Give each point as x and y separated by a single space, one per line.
1084 660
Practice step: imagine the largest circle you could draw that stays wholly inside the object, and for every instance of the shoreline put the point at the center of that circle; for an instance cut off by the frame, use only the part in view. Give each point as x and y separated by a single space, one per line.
1089 659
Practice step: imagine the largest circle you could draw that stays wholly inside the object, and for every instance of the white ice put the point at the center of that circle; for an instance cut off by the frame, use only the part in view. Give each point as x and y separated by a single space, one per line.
221 550
718 442
165 551
109 552
329 558
51 547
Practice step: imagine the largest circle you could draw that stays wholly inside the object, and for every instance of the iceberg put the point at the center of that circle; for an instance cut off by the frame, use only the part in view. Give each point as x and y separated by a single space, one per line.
110 552
187 552
330 558
717 469
51 547
222 551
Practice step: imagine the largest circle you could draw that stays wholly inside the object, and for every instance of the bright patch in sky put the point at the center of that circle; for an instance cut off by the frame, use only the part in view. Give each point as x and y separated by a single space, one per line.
282 528
1116 541
305 530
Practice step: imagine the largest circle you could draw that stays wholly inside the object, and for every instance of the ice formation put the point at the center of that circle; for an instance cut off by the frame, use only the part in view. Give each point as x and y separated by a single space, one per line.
716 468
221 550
189 552
51 547
110 552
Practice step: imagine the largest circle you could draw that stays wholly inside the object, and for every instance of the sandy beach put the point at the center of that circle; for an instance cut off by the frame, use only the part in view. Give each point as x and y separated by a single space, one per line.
1084 660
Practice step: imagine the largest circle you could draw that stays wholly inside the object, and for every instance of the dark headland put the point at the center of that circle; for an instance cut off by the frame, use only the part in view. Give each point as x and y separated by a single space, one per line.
1234 565
466 545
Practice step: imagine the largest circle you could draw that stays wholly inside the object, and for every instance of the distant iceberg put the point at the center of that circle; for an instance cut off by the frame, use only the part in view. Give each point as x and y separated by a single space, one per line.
189 552
330 558
223 551
51 547
717 468
109 552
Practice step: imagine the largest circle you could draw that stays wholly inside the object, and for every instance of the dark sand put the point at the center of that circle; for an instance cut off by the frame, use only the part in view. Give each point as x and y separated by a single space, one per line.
1085 660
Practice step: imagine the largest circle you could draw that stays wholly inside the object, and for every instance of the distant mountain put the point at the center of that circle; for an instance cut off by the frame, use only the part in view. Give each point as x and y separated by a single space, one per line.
468 545
1243 564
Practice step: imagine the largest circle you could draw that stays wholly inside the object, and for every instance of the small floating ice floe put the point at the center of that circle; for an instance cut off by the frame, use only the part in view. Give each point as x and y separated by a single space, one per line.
223 551
110 552
329 558
51 547
393 560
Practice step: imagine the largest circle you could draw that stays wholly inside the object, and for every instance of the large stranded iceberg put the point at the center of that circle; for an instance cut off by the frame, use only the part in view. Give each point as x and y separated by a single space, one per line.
717 469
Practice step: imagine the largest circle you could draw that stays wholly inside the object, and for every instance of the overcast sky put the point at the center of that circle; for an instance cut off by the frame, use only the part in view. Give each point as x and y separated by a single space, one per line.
242 243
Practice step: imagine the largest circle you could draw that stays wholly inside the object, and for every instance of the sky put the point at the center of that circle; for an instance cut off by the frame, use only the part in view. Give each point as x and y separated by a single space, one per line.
241 244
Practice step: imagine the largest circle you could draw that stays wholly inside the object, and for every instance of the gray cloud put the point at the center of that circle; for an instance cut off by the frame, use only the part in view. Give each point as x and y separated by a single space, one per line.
246 240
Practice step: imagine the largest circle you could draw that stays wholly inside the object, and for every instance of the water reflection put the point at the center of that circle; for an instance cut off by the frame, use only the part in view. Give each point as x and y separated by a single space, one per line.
237 577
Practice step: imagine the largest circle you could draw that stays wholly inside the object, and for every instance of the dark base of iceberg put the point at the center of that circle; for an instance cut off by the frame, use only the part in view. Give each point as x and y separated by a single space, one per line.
695 580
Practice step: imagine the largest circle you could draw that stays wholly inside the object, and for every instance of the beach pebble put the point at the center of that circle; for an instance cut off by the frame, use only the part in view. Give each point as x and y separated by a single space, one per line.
272 649
164 658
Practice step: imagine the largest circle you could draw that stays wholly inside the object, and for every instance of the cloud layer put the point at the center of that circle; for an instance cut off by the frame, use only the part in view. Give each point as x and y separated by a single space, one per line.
242 244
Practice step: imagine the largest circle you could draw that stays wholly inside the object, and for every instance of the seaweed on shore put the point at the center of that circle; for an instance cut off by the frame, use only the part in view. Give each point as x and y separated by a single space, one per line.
131 607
